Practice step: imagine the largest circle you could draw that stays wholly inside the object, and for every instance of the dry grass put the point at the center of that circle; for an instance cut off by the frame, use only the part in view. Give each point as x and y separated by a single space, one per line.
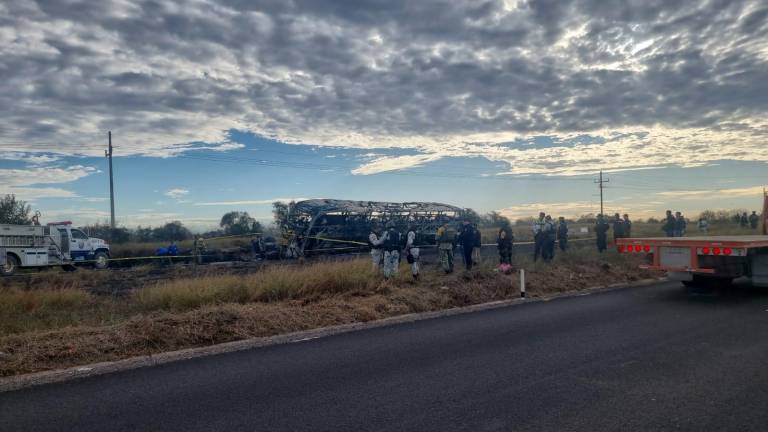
44 328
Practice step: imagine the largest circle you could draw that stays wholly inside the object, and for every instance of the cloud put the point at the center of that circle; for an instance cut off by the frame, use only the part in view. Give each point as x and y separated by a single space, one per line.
23 182
249 202
754 191
176 193
442 78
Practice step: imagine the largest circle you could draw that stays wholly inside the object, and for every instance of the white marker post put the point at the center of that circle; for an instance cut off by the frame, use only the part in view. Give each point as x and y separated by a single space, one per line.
522 283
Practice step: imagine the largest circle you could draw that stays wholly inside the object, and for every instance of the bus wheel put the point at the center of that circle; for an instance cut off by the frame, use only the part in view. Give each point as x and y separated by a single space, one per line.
11 264
101 260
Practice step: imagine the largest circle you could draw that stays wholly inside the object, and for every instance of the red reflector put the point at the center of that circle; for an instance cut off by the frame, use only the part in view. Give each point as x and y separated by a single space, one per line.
638 248
727 251
716 251
705 250
647 248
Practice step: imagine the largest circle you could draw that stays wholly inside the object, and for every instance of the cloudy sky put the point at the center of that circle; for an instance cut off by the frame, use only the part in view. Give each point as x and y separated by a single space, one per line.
505 105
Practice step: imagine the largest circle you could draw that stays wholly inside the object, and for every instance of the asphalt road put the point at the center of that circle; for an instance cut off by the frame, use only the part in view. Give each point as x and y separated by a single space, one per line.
652 358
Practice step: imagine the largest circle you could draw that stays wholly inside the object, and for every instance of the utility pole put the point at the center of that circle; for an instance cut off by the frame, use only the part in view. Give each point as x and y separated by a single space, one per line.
600 183
108 154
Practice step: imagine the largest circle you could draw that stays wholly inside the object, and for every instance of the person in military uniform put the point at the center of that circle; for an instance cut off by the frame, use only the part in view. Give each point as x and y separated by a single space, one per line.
476 255
601 230
538 236
391 246
562 234
504 242
446 239
669 224
198 248
412 252
375 241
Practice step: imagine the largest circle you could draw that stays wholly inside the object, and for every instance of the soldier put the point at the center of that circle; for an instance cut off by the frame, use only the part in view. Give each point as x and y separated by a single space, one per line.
391 247
627 226
680 224
412 251
601 229
375 242
477 245
198 246
669 224
538 237
618 227
753 220
548 233
446 238
467 241
504 241
562 234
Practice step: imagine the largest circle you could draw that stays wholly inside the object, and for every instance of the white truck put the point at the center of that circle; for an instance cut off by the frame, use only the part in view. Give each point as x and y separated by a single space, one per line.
55 244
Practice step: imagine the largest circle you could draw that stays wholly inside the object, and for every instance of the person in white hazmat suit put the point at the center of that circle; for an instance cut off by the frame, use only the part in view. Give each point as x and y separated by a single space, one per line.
376 241
391 246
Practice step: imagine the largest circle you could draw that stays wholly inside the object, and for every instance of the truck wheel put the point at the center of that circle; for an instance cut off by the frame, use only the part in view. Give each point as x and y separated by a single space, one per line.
11 264
101 260
700 281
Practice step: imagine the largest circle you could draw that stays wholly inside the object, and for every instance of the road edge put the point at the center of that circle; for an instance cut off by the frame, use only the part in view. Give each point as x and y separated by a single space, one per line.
18 382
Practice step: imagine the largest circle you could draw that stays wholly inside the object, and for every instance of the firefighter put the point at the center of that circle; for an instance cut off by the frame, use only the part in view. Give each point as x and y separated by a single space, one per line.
562 234
446 239
669 224
601 230
627 226
391 247
412 252
538 236
504 242
375 242
467 241
198 246
753 220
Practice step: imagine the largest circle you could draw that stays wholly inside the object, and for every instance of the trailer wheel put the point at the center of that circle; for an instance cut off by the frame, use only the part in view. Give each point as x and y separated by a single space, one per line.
700 281
101 260
11 264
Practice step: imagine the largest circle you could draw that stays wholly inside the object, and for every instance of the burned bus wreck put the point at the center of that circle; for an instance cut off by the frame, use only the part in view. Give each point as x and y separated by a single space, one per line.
321 224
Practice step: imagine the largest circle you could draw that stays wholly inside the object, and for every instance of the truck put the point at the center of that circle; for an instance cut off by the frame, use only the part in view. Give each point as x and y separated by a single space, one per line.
706 260
54 244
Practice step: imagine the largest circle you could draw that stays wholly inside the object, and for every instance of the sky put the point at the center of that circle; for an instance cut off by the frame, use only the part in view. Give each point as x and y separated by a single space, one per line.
505 105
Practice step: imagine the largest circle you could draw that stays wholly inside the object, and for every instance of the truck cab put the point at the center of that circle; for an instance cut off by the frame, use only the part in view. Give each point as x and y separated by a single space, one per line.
77 246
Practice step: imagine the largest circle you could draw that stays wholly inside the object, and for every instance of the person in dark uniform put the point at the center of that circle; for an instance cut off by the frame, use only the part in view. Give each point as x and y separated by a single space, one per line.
627 226
680 224
467 242
618 227
601 230
504 241
744 220
753 220
669 224
562 234
538 236
548 248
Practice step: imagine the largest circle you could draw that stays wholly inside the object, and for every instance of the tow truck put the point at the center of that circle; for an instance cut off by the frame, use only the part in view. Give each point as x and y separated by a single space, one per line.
706 259
54 244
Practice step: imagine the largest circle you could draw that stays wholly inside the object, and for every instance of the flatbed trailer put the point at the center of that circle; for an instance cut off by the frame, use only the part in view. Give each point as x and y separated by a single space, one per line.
694 260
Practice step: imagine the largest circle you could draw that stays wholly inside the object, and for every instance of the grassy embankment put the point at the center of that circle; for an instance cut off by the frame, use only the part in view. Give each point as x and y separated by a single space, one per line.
55 322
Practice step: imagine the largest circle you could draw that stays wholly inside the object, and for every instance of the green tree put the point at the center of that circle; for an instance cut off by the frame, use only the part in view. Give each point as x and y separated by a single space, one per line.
238 223
13 211
172 231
